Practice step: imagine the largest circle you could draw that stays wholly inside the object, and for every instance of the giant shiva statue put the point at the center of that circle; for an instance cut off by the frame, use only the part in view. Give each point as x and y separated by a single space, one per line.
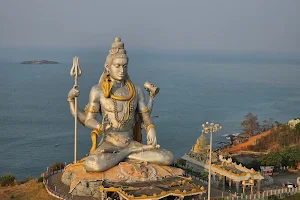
122 107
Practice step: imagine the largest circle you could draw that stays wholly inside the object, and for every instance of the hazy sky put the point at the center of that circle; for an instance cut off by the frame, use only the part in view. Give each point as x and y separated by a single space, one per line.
263 25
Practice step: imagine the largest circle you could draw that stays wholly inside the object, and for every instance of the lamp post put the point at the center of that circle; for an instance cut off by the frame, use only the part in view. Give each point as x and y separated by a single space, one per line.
210 128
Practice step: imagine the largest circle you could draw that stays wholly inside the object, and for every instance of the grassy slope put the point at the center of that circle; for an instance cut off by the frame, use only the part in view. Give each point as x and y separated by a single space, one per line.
243 146
31 190
294 197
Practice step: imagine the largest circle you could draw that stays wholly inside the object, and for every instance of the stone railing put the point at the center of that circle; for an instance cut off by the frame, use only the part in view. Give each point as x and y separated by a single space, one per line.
196 178
280 193
186 174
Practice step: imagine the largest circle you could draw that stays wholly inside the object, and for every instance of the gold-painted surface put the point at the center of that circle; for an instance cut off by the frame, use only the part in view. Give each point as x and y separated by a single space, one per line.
82 160
70 100
145 110
233 173
79 173
151 94
93 110
129 98
94 136
98 131
73 165
130 95
106 86
149 126
86 107
122 191
201 145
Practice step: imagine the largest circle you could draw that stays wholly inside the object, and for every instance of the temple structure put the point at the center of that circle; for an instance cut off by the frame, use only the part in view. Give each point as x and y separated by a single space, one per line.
200 150
201 145
223 170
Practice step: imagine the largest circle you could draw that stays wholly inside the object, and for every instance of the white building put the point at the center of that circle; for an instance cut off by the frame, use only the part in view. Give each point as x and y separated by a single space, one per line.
292 123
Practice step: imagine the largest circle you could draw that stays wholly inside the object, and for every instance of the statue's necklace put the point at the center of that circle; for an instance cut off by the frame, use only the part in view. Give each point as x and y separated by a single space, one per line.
129 106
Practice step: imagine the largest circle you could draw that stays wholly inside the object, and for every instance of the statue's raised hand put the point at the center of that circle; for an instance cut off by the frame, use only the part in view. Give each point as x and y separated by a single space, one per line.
74 92
151 137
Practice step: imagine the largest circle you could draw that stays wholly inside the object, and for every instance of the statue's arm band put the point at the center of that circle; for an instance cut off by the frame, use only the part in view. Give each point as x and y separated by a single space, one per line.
92 110
145 110
149 126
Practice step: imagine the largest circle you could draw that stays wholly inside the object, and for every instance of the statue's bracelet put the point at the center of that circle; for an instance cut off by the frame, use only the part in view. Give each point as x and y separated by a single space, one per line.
145 110
70 100
149 126
151 95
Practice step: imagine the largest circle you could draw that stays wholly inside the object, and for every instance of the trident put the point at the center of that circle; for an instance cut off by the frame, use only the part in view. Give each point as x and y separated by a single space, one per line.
75 72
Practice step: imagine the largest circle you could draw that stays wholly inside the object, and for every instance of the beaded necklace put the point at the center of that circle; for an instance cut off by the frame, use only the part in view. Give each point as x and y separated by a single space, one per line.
129 105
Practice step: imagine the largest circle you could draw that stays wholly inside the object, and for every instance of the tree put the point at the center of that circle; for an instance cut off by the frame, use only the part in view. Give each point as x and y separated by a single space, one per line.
290 156
7 179
255 164
271 159
277 123
267 124
250 124
297 127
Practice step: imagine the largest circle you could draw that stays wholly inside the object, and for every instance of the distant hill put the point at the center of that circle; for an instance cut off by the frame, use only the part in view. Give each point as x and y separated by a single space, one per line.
39 62
280 137
250 142
269 141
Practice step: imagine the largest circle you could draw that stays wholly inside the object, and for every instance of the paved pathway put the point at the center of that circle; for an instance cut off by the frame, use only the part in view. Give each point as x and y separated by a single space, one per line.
61 188
284 177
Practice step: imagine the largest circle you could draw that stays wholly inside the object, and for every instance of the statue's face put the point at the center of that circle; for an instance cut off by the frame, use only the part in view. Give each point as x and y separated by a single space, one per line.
118 69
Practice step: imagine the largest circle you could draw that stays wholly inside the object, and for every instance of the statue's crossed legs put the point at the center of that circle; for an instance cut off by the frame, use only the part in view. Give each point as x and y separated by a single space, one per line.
108 155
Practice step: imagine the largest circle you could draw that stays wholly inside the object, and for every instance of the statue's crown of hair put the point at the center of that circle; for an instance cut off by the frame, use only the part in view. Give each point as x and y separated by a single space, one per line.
117 47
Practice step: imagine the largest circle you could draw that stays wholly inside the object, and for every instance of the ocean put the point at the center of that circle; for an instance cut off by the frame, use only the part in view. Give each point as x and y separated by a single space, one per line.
37 129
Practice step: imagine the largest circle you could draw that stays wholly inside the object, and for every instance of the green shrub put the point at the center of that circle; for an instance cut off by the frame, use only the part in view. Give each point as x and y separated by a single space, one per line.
41 179
293 197
180 161
297 127
7 179
273 197
12 196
